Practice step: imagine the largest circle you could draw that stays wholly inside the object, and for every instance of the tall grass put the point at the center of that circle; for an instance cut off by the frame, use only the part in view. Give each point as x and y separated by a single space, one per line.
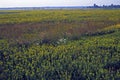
60 45
27 26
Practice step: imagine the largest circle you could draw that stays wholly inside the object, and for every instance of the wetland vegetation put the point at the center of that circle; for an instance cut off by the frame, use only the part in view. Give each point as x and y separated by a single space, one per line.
60 44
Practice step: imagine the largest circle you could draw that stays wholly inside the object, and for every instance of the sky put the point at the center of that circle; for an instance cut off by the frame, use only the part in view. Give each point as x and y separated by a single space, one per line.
47 3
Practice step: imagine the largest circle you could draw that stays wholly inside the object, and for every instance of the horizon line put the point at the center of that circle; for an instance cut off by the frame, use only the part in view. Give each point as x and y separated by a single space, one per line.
83 6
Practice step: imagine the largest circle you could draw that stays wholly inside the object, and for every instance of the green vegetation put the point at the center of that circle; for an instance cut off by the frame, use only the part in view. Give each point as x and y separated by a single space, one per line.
60 45
22 26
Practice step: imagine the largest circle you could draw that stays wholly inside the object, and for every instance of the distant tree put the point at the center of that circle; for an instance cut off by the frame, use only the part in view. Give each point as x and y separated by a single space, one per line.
111 5
96 6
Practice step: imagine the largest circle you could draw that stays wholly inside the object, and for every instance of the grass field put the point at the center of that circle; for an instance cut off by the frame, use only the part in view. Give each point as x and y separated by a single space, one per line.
60 45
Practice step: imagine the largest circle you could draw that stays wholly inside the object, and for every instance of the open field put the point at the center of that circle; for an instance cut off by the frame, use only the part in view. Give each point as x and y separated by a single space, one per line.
60 45
22 26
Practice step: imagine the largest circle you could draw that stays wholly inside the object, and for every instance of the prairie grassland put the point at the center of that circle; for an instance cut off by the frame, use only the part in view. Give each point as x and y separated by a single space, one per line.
27 26
60 45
